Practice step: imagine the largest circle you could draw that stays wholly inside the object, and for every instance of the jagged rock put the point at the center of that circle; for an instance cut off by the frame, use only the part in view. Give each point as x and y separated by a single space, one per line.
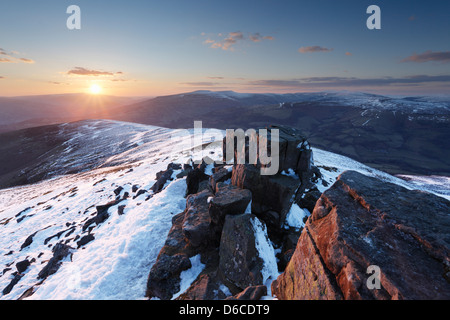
163 176
360 222
308 199
60 251
203 288
164 278
194 178
186 169
250 293
197 221
294 150
239 259
269 193
228 200
220 175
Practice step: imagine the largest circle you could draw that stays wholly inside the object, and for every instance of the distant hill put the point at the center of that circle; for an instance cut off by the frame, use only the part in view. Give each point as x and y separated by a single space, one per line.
400 135
30 111
406 135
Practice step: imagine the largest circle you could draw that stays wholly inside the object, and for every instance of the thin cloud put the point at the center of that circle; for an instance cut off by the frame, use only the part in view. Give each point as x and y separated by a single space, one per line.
25 60
80 71
233 38
10 57
439 56
7 60
2 77
257 37
348 53
200 84
314 49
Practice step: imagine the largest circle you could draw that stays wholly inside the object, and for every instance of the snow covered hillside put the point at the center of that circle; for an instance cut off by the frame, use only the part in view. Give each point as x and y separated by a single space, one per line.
111 258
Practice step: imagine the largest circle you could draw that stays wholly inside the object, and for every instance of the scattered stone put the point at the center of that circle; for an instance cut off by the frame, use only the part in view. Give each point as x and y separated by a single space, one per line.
85 240
60 251
22 265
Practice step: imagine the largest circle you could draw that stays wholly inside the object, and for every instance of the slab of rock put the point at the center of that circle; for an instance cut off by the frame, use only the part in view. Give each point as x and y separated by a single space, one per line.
250 293
361 222
164 278
228 200
269 193
197 221
239 259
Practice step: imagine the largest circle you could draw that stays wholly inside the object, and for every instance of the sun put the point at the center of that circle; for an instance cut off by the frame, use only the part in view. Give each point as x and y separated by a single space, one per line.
95 89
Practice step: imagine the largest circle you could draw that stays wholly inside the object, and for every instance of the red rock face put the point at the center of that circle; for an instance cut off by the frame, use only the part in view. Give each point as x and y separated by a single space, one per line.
362 221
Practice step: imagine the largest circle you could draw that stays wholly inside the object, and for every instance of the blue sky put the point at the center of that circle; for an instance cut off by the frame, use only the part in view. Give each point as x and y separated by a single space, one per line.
163 47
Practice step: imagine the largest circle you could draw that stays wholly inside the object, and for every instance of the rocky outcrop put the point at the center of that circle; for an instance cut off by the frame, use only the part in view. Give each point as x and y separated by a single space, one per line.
239 259
195 232
361 224
228 219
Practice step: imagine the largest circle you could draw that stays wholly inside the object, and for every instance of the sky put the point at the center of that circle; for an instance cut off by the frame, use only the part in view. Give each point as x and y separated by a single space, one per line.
150 48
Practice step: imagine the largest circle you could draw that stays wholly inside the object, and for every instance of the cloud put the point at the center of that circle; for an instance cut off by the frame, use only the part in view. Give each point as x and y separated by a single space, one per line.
216 78
348 53
200 84
412 18
234 37
439 56
275 83
9 57
2 77
25 60
313 49
7 60
94 73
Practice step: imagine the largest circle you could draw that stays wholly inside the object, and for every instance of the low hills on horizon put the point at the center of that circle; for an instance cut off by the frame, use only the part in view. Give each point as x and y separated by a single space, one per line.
406 135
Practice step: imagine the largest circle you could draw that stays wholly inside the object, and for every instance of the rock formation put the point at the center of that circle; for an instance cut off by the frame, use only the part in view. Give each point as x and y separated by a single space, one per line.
361 222
225 213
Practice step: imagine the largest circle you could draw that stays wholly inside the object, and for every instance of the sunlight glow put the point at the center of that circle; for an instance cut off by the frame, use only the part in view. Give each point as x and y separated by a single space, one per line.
95 89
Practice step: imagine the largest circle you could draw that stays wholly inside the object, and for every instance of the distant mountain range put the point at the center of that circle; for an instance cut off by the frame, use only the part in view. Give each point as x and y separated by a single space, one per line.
400 135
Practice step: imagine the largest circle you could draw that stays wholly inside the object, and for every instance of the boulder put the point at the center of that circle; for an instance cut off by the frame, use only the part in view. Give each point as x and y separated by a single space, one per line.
269 193
196 225
220 175
239 260
228 200
22 265
164 278
250 293
205 287
85 240
194 178
362 223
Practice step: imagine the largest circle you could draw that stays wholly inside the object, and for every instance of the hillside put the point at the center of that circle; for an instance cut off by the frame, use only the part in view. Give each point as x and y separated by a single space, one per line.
98 225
